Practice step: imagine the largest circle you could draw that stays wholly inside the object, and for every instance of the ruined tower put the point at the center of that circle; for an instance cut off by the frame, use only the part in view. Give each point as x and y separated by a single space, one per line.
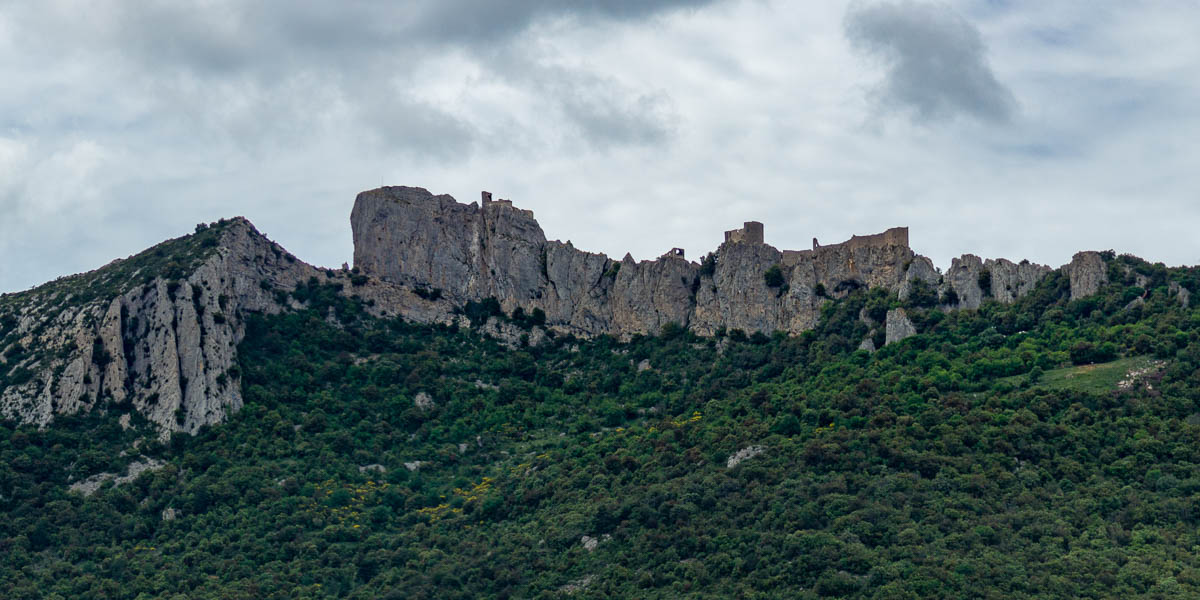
750 233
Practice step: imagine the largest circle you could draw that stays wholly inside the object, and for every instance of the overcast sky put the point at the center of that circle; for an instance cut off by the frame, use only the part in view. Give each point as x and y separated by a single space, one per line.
1000 128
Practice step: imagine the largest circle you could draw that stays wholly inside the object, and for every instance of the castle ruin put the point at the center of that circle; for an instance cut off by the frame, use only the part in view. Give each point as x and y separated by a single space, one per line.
896 236
750 233
486 201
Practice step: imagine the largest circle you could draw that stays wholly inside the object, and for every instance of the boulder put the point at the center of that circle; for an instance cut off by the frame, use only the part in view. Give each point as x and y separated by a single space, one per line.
898 326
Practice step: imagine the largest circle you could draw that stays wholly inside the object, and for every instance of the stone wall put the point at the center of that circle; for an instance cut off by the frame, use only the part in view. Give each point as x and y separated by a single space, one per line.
896 236
750 233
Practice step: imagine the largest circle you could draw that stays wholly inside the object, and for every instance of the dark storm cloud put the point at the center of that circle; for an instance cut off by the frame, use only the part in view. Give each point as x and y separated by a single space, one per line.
936 60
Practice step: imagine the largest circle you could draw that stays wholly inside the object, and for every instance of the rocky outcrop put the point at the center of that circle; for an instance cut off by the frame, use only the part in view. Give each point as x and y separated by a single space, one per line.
744 454
920 271
164 348
89 486
1010 280
411 237
156 335
898 327
1181 294
1087 273
159 339
975 280
963 277
469 252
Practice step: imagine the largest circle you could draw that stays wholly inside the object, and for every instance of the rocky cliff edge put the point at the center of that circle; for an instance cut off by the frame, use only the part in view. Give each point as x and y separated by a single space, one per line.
408 236
156 335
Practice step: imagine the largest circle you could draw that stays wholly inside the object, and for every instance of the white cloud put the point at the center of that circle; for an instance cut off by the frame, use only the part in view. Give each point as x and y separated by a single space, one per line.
625 130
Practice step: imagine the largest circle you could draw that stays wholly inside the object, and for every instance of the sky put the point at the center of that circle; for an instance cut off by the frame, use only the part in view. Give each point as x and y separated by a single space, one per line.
1002 128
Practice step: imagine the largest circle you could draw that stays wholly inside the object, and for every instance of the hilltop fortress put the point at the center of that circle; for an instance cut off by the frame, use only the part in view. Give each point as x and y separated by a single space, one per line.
164 343
409 236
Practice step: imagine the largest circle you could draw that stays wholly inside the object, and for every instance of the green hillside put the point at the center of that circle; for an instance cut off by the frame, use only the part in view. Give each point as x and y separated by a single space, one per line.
1001 453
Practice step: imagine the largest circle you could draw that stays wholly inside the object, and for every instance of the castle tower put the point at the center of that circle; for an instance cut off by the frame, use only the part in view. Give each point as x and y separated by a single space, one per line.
750 233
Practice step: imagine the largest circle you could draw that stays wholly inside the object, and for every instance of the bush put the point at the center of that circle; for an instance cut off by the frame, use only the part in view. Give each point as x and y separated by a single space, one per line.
427 294
1083 353
921 295
479 312
985 282
773 277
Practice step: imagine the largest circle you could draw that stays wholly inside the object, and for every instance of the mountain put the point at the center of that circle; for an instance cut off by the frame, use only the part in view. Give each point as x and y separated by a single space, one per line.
157 334
494 249
426 425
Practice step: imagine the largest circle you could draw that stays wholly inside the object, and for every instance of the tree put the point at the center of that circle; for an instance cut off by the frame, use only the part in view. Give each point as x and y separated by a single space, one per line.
773 277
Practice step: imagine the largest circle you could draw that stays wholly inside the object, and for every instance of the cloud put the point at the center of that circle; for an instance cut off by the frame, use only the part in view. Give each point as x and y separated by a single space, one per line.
246 72
626 126
156 114
936 61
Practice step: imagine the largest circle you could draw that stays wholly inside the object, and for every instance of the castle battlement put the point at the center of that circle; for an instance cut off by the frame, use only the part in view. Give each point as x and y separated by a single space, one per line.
750 233
896 236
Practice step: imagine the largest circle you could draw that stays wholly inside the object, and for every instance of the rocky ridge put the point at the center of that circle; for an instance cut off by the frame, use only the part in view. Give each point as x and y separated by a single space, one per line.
156 335
469 252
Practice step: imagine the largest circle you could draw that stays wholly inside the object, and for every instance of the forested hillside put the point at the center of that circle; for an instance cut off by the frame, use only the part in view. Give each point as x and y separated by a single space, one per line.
1044 448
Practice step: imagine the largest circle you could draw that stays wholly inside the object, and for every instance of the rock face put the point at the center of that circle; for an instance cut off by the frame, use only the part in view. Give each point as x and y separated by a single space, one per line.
1181 294
149 336
88 486
742 455
1087 273
1012 280
164 348
898 326
1005 280
156 335
410 237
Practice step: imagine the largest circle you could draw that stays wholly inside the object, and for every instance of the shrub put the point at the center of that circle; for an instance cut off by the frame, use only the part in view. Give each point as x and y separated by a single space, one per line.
985 282
950 297
427 294
773 277
479 312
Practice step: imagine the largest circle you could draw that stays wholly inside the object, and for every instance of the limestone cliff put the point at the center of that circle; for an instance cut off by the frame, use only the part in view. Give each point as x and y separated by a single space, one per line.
408 236
1087 273
156 334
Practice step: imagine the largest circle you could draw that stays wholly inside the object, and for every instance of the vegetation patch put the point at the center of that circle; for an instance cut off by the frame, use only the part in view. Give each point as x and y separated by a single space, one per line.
971 460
